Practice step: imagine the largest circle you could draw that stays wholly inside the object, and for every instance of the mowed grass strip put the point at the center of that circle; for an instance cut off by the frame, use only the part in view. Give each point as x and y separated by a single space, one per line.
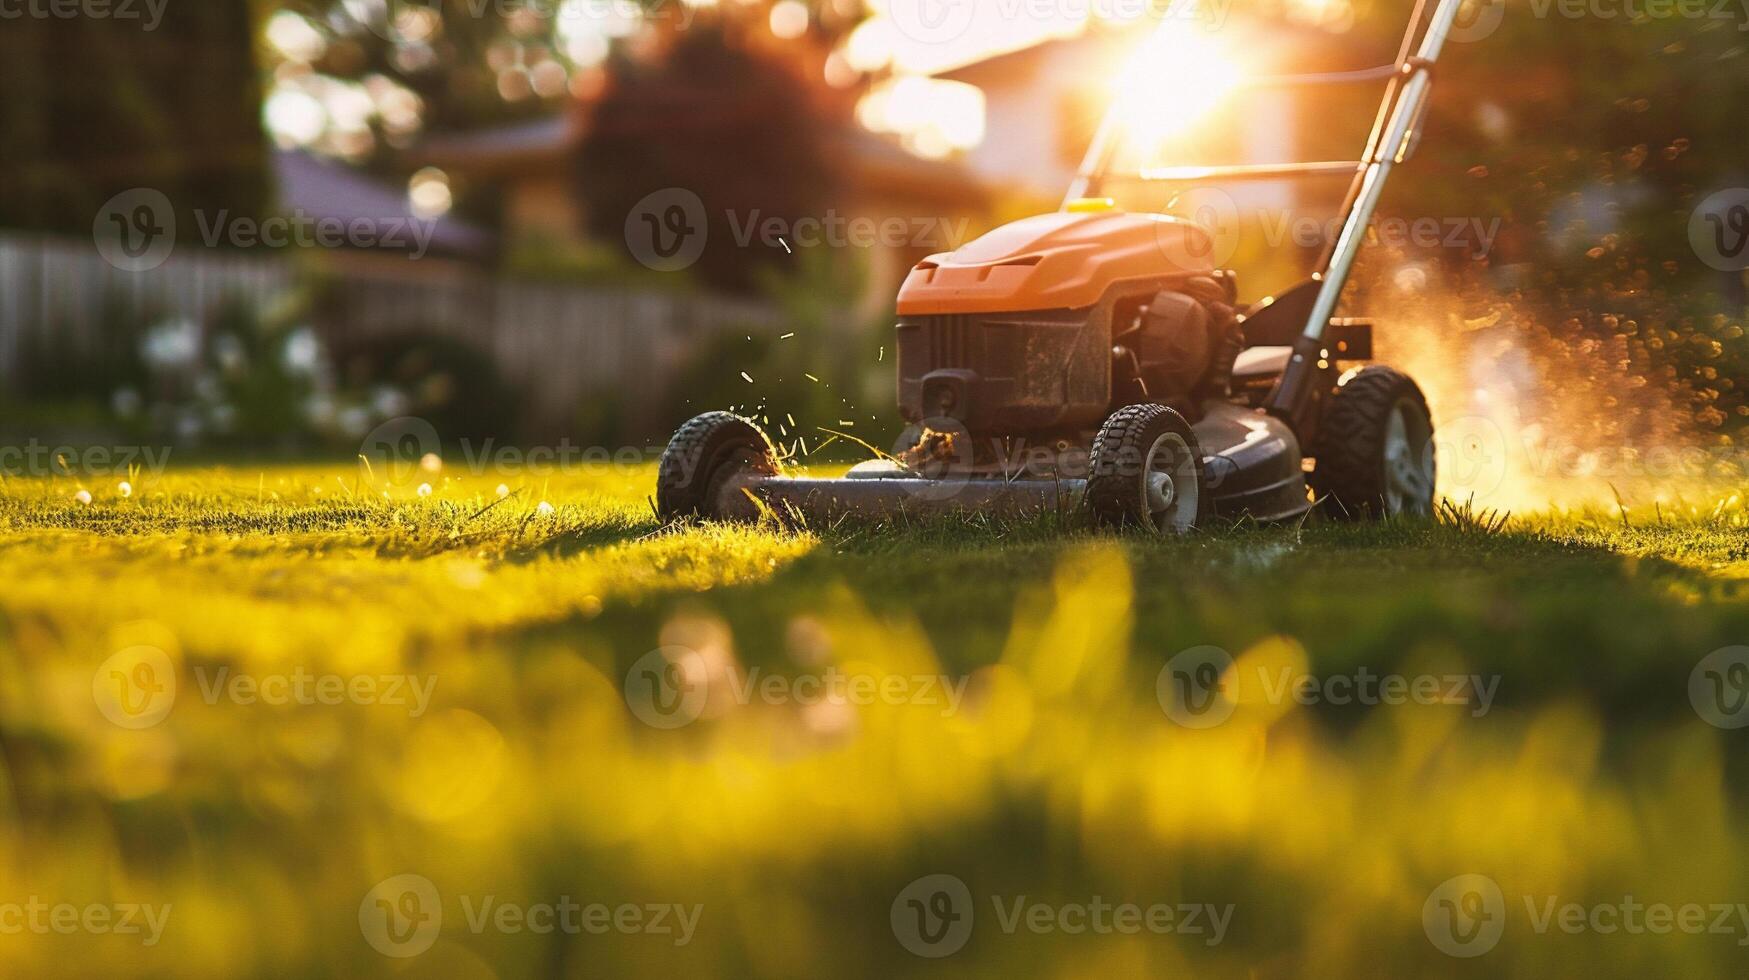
794 825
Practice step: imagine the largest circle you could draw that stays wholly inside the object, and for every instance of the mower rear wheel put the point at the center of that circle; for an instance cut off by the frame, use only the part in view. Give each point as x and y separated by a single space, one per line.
703 456
1375 448
1145 470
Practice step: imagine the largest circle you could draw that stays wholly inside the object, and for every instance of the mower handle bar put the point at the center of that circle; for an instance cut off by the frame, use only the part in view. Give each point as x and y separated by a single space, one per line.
1251 171
1267 171
1395 134
1396 131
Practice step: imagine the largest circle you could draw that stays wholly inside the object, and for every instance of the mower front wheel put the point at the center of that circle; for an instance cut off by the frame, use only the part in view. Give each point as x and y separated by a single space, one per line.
704 455
1146 471
1375 448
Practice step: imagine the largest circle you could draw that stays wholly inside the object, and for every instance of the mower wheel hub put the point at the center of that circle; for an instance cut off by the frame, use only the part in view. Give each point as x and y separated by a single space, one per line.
1161 492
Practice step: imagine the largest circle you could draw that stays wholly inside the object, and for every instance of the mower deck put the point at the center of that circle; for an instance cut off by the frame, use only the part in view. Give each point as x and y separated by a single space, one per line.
1257 474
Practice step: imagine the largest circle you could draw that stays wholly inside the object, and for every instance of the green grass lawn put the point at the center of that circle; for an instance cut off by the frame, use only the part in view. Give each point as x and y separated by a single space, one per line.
261 697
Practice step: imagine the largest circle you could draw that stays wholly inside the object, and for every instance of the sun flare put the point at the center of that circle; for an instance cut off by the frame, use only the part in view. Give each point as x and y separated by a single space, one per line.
1172 81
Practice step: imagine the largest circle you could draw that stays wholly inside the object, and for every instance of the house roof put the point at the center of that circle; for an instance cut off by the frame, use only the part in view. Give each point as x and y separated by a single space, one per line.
1276 47
320 189
1025 61
875 163
878 164
511 146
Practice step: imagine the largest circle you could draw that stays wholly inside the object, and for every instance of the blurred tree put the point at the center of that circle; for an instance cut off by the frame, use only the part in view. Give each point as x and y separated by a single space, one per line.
466 63
95 106
729 120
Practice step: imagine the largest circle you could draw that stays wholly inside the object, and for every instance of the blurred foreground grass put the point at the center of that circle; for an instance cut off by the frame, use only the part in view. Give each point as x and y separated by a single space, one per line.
793 825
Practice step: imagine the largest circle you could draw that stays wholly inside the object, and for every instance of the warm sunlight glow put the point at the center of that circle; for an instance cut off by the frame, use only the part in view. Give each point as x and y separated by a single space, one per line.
1172 81
933 117
789 19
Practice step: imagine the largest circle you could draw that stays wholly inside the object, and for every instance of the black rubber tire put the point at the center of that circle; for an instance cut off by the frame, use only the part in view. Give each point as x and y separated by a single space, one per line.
1350 448
1117 481
703 453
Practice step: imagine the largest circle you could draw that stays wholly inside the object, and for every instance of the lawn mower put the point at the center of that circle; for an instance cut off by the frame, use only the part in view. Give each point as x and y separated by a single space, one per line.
1094 359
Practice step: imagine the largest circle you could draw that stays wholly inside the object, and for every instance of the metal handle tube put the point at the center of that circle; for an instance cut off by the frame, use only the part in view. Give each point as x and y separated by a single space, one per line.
1094 164
1293 392
1250 171
1405 115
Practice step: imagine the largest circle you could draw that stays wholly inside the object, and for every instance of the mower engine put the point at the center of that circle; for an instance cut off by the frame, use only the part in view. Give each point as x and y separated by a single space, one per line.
1051 357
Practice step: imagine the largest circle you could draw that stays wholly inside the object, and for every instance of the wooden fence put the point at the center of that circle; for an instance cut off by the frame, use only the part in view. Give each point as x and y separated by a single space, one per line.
555 344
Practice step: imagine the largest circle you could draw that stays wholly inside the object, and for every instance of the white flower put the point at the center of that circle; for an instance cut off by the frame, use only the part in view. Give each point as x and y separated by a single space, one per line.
354 420
173 343
544 509
320 410
125 402
503 490
302 353
389 402
125 488
223 416
83 496
424 489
